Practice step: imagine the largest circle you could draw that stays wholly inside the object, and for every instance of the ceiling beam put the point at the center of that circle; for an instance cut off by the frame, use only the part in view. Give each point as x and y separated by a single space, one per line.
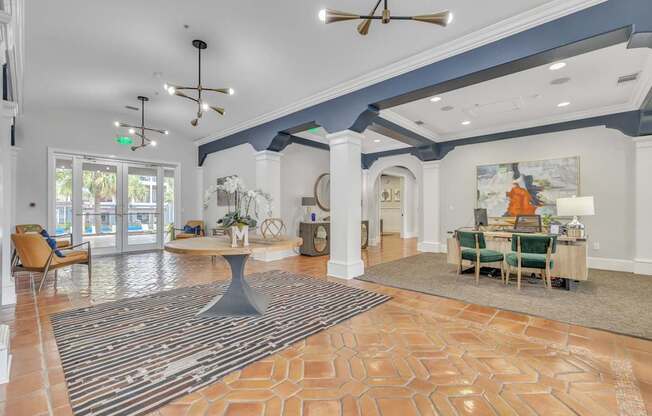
627 123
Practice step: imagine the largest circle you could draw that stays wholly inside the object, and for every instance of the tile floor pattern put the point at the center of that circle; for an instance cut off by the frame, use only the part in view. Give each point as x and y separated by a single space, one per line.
415 355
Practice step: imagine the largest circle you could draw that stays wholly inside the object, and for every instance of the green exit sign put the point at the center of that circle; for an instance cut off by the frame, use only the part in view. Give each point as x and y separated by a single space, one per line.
124 140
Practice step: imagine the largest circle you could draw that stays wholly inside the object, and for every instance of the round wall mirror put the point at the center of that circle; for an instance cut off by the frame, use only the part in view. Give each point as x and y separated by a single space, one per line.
323 192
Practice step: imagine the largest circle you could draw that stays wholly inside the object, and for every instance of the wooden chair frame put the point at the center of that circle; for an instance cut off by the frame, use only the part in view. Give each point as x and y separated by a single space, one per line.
547 276
478 265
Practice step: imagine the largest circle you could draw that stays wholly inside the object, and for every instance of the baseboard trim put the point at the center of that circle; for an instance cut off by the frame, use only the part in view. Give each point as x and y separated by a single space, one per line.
268 256
643 266
429 247
346 271
615 265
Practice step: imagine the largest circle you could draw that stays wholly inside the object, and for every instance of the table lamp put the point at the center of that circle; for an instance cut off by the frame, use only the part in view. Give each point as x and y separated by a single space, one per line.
308 202
575 207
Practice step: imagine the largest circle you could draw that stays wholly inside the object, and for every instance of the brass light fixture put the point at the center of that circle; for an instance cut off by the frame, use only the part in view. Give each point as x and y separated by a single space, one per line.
140 130
331 16
201 105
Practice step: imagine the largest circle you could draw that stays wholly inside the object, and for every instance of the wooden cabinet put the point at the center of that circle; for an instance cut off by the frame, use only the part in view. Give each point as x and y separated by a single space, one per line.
316 237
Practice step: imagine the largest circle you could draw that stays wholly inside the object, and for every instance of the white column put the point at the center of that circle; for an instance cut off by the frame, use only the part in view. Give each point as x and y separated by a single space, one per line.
14 165
7 180
642 204
268 179
199 207
346 211
365 194
429 190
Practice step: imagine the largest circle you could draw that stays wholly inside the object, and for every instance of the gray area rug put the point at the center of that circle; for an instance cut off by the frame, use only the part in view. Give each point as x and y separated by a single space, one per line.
615 301
132 356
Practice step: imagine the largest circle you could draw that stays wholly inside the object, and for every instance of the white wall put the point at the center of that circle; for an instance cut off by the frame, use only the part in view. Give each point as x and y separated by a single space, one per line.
606 172
91 132
239 160
300 168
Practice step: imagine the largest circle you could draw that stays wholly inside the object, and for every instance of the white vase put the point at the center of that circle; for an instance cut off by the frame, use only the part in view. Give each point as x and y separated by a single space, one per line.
239 234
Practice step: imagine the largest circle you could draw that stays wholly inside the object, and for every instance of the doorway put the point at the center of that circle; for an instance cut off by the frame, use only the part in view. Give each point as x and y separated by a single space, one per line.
117 205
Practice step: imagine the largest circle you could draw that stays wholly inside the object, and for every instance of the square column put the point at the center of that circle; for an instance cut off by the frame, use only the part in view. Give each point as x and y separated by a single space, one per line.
346 211
7 182
429 189
268 179
642 204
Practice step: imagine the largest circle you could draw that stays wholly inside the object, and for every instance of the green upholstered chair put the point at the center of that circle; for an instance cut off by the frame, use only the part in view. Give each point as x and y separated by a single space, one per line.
473 248
532 252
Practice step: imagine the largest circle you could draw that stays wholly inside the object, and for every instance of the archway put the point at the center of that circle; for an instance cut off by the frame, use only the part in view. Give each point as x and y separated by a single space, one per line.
409 169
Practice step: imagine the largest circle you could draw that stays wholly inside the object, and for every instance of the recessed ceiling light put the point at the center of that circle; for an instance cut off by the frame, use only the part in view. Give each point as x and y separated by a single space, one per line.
466 122
564 104
376 140
557 66
435 99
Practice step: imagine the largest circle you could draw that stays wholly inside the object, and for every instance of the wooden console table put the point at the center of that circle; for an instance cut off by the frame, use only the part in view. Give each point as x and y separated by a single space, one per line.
570 260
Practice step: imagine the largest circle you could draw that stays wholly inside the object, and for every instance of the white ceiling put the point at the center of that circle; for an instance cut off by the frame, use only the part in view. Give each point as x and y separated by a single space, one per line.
99 55
528 98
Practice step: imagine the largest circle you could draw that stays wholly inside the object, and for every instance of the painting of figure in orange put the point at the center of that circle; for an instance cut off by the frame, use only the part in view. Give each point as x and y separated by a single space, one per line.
520 202
507 190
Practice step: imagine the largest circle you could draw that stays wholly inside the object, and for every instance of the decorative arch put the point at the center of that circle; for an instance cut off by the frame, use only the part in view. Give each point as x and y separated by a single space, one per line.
407 161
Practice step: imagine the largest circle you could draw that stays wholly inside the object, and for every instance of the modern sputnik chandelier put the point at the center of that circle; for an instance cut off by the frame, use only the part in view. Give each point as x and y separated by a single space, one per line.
140 130
331 16
201 104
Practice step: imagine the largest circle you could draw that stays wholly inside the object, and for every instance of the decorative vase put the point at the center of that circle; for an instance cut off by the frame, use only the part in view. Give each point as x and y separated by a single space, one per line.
239 233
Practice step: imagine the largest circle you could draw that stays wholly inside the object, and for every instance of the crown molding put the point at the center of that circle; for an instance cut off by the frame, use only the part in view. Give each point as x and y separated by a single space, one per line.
505 28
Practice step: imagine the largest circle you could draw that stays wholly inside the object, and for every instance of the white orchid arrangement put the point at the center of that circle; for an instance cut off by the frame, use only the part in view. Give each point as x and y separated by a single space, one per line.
244 202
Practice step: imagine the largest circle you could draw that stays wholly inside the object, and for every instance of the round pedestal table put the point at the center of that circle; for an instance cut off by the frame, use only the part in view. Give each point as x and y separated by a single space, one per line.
239 299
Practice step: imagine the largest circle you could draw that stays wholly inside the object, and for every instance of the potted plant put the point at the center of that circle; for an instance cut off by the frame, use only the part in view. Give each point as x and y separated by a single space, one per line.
243 204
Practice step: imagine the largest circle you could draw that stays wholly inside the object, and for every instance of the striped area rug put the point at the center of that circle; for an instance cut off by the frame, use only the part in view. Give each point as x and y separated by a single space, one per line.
132 356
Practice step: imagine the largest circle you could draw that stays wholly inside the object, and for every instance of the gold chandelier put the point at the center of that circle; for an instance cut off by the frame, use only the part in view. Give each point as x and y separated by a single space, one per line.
201 104
331 16
140 130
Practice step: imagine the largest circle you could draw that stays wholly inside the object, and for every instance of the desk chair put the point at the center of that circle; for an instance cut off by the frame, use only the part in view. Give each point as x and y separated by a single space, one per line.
473 248
532 252
528 224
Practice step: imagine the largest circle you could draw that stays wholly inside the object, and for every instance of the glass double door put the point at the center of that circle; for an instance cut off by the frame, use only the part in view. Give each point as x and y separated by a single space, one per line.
116 206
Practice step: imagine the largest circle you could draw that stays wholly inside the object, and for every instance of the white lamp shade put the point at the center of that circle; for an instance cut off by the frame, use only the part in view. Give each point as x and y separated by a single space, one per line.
576 206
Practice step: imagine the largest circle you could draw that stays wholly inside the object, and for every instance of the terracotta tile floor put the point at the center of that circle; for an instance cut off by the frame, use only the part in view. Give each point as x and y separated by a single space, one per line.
415 355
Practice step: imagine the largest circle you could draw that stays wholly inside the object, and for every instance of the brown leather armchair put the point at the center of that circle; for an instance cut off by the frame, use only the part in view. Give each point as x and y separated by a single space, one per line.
36 255
193 224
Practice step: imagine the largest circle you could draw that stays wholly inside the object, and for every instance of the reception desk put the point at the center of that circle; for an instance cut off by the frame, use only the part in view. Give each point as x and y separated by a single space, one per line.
570 260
